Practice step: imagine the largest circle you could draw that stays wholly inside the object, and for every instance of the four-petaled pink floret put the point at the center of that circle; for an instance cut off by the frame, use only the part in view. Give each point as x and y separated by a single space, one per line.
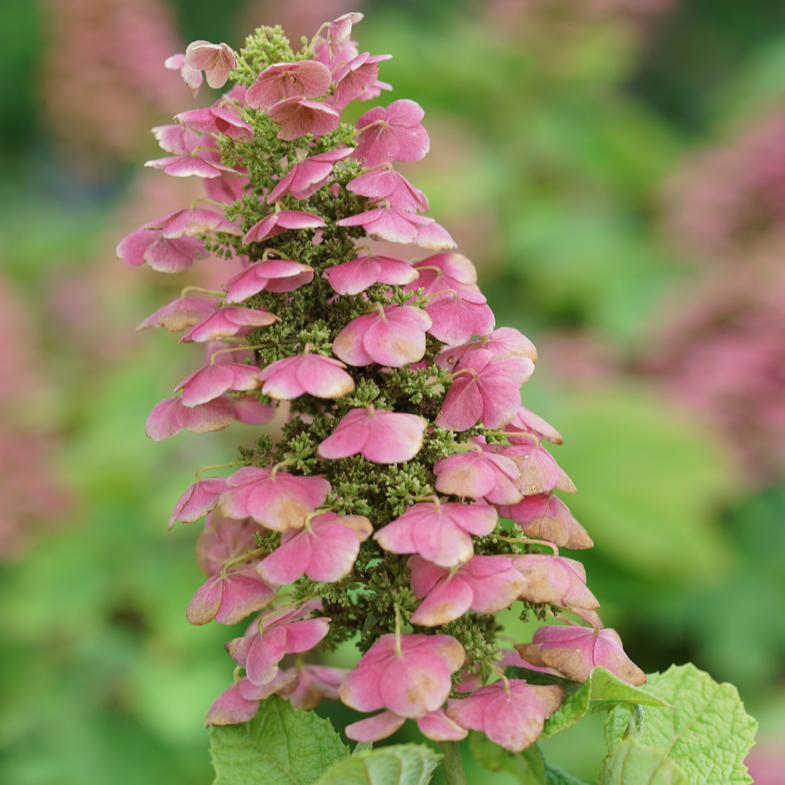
510 713
484 390
299 116
314 374
526 421
556 580
392 335
198 500
312 684
275 223
162 254
180 314
191 76
226 322
484 584
274 275
225 539
379 436
304 79
216 60
392 133
576 650
547 517
211 381
357 275
324 550
477 474
272 637
502 343
438 531
397 226
354 79
277 500
408 674
385 184
306 177
170 417
230 596
216 120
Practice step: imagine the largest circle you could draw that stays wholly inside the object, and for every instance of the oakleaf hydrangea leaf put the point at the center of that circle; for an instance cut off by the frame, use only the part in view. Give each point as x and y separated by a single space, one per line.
707 732
632 763
281 745
602 686
400 764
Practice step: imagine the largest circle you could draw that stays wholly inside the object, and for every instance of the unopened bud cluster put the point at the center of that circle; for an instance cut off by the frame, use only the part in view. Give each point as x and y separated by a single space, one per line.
379 508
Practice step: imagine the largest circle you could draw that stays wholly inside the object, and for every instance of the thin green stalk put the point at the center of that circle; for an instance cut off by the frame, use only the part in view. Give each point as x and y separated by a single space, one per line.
454 773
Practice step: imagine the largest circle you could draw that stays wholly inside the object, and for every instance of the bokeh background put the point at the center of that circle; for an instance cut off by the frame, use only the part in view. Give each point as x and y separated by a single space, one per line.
616 171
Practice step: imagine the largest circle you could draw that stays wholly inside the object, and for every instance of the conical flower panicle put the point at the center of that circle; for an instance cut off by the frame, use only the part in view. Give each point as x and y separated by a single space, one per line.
377 511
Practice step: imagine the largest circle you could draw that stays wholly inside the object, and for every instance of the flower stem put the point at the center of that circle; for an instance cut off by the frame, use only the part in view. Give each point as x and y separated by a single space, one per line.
454 773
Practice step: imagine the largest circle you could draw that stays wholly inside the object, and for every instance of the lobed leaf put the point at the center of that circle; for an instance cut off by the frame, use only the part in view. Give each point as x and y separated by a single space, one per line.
281 745
400 764
632 763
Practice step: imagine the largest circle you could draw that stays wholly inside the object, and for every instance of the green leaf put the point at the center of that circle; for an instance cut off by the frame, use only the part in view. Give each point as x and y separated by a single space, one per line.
281 745
707 732
603 686
528 767
632 763
400 764
540 678
556 776
625 719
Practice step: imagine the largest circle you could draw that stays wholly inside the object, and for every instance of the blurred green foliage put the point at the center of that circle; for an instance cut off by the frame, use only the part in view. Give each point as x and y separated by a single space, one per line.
561 144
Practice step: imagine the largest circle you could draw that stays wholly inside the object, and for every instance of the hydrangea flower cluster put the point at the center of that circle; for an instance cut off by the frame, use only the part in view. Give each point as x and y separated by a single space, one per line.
379 507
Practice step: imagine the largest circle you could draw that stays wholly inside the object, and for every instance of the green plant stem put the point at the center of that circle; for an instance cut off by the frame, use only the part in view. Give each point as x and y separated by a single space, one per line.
454 773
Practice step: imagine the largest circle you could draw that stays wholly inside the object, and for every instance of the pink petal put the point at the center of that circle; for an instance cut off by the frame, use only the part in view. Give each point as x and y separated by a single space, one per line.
437 726
448 600
198 500
259 654
216 60
555 579
547 517
307 78
299 117
180 313
304 635
528 422
247 409
282 502
456 318
397 336
398 136
227 322
231 709
170 417
224 539
375 728
322 377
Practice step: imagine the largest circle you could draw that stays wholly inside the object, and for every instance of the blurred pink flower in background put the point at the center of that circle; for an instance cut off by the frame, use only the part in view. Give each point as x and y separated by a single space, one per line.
103 84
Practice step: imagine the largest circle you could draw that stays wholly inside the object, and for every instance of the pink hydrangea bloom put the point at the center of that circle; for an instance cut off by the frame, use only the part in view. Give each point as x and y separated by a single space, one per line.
391 335
230 597
477 474
484 390
216 120
313 374
268 640
306 177
457 316
526 421
275 275
198 500
305 78
357 275
278 501
445 272
224 539
191 222
170 417
163 255
539 472
379 436
576 650
390 224
339 30
249 410
353 79
555 579
216 60
324 550
191 76
299 116
313 684
547 517
386 184
275 223
176 139
440 532
434 237
436 726
211 381
226 322
484 584
502 343
392 133
180 314
197 165
226 188
407 674
510 713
